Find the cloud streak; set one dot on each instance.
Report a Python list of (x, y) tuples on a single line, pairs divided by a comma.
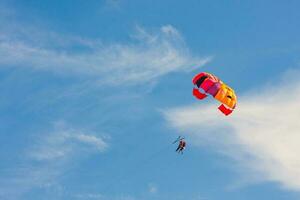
[(262, 135), (64, 143), (145, 57), (47, 158)]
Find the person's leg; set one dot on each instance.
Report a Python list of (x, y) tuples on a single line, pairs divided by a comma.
[(181, 150)]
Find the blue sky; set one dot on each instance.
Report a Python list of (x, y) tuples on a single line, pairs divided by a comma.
[(94, 92)]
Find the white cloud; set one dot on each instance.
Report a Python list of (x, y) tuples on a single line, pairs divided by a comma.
[(152, 188), (145, 57), (90, 196), (64, 143), (47, 158), (261, 135), (91, 140), (95, 196)]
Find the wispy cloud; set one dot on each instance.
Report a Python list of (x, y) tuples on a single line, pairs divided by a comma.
[(262, 135), (152, 188), (145, 57), (89, 196), (48, 157), (95, 196), (64, 143)]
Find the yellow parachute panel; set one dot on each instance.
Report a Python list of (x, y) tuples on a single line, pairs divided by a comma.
[(226, 96)]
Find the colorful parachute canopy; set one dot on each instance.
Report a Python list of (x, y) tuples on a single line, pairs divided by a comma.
[(212, 85)]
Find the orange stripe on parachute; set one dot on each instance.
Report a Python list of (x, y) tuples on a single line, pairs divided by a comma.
[(226, 96)]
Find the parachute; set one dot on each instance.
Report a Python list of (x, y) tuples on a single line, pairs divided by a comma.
[(212, 85)]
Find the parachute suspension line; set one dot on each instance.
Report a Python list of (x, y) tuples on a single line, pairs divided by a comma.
[(141, 163), (158, 152)]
